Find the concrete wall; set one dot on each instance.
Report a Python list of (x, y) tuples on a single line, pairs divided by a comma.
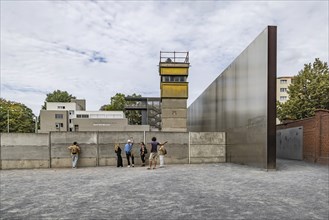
[(97, 148), (24, 150), (207, 147), (315, 136), (174, 115)]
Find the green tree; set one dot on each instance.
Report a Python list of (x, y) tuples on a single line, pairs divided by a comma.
[(58, 96), (309, 91), (118, 103), (134, 116), (16, 116)]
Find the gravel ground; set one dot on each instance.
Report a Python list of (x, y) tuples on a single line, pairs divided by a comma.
[(297, 190)]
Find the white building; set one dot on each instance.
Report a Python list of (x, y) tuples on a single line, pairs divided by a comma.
[(72, 116), (282, 84)]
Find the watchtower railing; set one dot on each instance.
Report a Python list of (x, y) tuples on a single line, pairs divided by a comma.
[(174, 57)]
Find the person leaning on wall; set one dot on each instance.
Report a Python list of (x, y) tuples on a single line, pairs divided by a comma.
[(75, 150)]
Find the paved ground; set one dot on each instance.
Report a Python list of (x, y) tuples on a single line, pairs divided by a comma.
[(297, 190)]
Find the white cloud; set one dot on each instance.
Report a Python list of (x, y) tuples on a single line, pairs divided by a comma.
[(95, 49)]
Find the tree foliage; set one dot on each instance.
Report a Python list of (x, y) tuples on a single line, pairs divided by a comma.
[(21, 118), (118, 103), (58, 96), (309, 91)]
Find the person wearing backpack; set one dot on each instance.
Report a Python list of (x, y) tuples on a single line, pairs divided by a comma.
[(143, 152), (75, 150), (162, 152)]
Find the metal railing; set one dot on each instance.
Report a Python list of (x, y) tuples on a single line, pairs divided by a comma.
[(174, 57)]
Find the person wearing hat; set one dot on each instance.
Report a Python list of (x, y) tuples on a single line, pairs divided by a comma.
[(75, 150), (128, 151)]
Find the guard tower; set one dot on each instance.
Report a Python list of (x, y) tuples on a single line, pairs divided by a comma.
[(173, 70)]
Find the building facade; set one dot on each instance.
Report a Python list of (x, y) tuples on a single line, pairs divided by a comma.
[(282, 84), (72, 116)]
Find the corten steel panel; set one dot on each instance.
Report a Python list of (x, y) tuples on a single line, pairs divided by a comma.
[(290, 143), (174, 71), (241, 102)]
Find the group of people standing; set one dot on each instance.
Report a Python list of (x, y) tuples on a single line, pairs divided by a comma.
[(154, 153), (143, 152)]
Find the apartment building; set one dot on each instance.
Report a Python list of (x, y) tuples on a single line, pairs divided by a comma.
[(282, 84), (72, 116)]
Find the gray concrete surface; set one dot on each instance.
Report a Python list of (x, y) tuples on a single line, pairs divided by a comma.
[(297, 190), (17, 150)]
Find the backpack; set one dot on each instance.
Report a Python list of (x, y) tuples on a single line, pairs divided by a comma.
[(74, 150), (145, 150), (165, 151)]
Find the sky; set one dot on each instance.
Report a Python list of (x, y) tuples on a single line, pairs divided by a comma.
[(95, 49)]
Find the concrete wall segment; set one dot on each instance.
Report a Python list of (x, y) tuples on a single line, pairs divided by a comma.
[(97, 149), (120, 137), (24, 152), (24, 164), (26, 139), (171, 137), (207, 138), (70, 137), (174, 103), (206, 151)]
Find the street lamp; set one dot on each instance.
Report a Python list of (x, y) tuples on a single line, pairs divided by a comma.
[(8, 120), (36, 124)]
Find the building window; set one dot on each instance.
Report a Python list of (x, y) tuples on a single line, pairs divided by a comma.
[(58, 116), (70, 121), (82, 116), (71, 112), (283, 89), (76, 127), (59, 125), (283, 81), (61, 107), (283, 98)]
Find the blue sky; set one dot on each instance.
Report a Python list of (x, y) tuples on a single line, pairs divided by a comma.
[(95, 49)]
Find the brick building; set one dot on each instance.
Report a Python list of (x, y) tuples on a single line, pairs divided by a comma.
[(315, 136)]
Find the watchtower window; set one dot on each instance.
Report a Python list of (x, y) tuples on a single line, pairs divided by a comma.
[(174, 78)]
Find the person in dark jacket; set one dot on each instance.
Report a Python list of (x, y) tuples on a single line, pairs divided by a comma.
[(117, 150), (143, 152)]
